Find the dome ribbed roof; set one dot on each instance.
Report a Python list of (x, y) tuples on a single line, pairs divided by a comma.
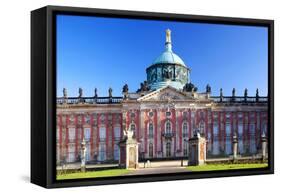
[(169, 57)]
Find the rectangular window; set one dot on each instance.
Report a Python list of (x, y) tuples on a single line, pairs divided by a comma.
[(253, 138), (71, 134), (71, 154), (116, 133), (216, 139), (88, 151), (116, 152), (102, 133), (87, 134), (240, 138), (102, 152), (228, 139)]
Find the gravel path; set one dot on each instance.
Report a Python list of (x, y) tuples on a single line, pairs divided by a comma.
[(158, 170)]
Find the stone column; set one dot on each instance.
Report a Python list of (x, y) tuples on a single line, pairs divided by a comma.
[(197, 150), (142, 130), (159, 133)]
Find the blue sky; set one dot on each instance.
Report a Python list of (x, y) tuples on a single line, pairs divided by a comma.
[(109, 52)]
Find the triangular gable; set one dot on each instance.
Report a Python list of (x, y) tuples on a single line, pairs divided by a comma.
[(165, 93)]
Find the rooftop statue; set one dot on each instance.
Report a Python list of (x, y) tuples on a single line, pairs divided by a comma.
[(64, 92), (96, 93), (189, 87), (125, 88), (168, 35), (110, 92), (233, 92), (221, 95), (143, 87), (246, 92), (208, 88), (80, 91)]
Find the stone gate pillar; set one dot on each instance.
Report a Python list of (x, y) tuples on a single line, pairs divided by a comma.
[(197, 150), (129, 149)]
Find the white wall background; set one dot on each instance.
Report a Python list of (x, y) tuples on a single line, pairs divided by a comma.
[(15, 94)]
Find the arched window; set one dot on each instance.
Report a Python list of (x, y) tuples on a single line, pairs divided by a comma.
[(150, 150), (168, 149), (185, 129), (150, 130), (168, 127)]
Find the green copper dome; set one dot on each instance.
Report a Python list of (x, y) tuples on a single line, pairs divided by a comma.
[(167, 69), (168, 56)]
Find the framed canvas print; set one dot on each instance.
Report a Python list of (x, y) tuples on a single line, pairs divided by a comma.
[(125, 96)]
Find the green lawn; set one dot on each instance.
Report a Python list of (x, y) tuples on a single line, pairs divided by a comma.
[(93, 174), (210, 167)]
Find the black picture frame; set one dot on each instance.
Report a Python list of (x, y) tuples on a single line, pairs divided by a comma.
[(43, 95)]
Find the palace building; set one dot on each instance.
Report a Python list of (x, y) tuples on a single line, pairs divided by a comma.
[(163, 113)]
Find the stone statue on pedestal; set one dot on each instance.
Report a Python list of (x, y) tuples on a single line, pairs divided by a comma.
[(128, 150)]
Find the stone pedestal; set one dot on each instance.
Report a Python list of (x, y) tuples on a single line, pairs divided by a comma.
[(129, 149), (197, 150)]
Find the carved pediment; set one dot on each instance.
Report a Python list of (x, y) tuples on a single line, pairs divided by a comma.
[(165, 94)]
